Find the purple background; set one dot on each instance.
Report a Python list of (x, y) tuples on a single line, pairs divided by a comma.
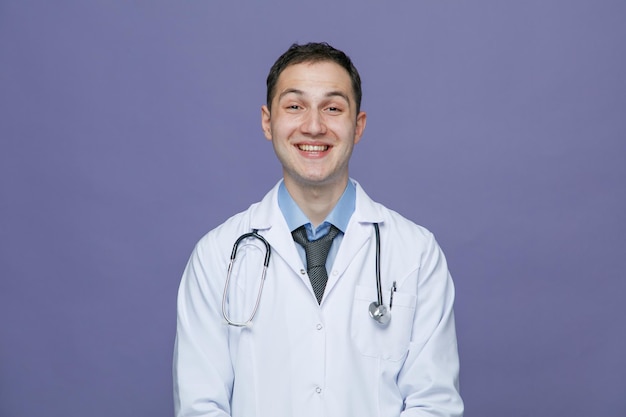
[(130, 128)]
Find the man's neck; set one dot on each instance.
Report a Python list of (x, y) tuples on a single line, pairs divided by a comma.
[(316, 202)]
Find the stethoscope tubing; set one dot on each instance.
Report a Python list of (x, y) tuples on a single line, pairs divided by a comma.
[(379, 288), (378, 311), (233, 255)]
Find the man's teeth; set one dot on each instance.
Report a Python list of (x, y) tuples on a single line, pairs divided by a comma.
[(313, 148)]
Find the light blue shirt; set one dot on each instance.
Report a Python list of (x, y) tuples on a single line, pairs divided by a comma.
[(339, 217)]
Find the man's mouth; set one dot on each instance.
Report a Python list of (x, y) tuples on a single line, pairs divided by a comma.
[(313, 148)]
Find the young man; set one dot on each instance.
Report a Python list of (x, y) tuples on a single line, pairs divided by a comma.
[(354, 312)]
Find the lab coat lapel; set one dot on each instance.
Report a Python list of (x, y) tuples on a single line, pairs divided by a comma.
[(269, 220), (359, 232)]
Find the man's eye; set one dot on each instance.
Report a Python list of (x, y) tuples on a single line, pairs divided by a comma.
[(293, 107), (334, 109)]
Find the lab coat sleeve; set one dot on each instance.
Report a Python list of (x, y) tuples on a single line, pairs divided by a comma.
[(202, 370), (429, 377)]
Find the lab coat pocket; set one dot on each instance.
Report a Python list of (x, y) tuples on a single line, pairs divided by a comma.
[(389, 342)]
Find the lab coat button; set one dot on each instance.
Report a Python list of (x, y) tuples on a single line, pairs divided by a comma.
[(335, 272), (302, 271), (319, 326), (318, 390)]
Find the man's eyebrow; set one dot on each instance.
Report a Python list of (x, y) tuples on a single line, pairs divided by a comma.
[(291, 91), (301, 93), (338, 94)]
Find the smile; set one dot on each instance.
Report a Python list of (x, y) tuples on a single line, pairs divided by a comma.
[(313, 148)]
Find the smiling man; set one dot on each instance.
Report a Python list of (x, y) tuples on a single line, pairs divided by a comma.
[(314, 125), (329, 304)]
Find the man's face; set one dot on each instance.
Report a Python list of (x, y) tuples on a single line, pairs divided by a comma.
[(313, 124)]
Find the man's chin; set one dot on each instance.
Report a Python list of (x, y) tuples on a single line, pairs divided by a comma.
[(317, 181)]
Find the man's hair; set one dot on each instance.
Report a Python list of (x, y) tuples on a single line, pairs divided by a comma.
[(311, 53)]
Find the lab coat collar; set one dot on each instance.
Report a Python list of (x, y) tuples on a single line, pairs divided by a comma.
[(267, 214)]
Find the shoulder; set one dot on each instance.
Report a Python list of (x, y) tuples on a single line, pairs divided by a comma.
[(405, 229), (254, 217), (415, 244), (233, 227), (391, 221)]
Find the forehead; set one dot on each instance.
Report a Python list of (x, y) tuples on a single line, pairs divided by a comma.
[(315, 77)]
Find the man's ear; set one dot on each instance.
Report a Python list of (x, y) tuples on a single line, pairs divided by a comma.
[(265, 122), (361, 120)]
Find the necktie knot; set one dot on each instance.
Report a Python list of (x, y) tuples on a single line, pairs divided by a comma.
[(316, 255)]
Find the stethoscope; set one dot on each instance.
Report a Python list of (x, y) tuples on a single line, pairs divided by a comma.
[(378, 311)]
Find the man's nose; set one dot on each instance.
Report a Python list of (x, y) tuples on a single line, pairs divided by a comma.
[(313, 124)]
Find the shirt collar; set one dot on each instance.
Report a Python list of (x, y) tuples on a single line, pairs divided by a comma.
[(339, 216)]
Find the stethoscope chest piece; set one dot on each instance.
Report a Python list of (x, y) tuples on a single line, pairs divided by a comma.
[(380, 313)]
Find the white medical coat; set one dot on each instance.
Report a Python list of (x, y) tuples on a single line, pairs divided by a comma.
[(301, 359)]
